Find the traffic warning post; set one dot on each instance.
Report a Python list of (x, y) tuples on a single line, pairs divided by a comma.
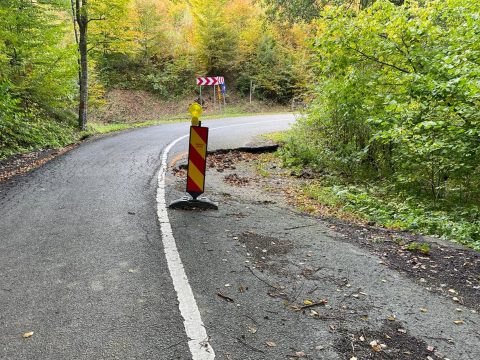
[(197, 166), (197, 160)]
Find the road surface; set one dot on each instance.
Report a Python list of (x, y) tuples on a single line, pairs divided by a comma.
[(93, 264), (81, 257)]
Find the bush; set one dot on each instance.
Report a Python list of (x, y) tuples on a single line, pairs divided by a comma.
[(22, 131), (397, 97)]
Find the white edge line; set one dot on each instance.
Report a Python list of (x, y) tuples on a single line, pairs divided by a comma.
[(198, 342)]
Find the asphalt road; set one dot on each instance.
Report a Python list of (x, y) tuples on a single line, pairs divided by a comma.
[(81, 257), (83, 265)]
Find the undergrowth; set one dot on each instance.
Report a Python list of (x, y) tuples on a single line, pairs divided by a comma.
[(381, 205)]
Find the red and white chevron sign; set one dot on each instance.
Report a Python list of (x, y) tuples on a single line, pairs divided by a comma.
[(210, 80)]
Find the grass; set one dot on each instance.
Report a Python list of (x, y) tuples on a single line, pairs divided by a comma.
[(422, 248), (279, 137), (378, 204)]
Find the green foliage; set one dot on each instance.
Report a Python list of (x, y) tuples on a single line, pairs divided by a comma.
[(37, 76), (22, 130), (396, 112), (164, 45), (397, 97), (376, 203), (216, 40), (293, 11), (423, 248)]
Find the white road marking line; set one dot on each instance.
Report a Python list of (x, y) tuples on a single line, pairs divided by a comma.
[(198, 343)]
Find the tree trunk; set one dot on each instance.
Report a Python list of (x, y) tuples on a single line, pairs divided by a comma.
[(82, 21), (83, 105)]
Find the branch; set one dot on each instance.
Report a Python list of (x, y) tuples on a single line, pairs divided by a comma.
[(97, 19), (74, 18), (406, 54), (379, 61)]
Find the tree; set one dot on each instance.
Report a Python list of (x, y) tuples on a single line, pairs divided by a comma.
[(397, 95), (216, 41), (80, 14), (37, 66)]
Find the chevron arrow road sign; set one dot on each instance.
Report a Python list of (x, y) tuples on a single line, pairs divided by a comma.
[(209, 80)]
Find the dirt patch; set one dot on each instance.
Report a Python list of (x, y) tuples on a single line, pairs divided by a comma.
[(226, 160), (236, 180), (390, 342), (23, 163), (137, 105), (261, 247), (263, 253)]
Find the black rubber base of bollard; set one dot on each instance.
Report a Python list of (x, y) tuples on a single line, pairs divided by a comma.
[(187, 203)]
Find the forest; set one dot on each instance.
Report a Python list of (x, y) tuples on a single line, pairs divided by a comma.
[(159, 46), (391, 88)]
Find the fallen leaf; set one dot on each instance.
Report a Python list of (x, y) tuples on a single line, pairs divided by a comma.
[(391, 318), (353, 358), (314, 313), (376, 346), (459, 322), (423, 310), (252, 329), (403, 331), (271, 344), (307, 302), (300, 354), (27, 335)]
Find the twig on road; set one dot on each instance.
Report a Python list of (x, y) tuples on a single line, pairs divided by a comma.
[(321, 302), (249, 346), (262, 280), (225, 297), (299, 227)]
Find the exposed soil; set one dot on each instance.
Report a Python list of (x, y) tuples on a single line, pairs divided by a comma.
[(391, 342), (137, 105), (23, 163), (448, 269)]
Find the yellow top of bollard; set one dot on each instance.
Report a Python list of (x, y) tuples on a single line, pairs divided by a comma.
[(195, 110)]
